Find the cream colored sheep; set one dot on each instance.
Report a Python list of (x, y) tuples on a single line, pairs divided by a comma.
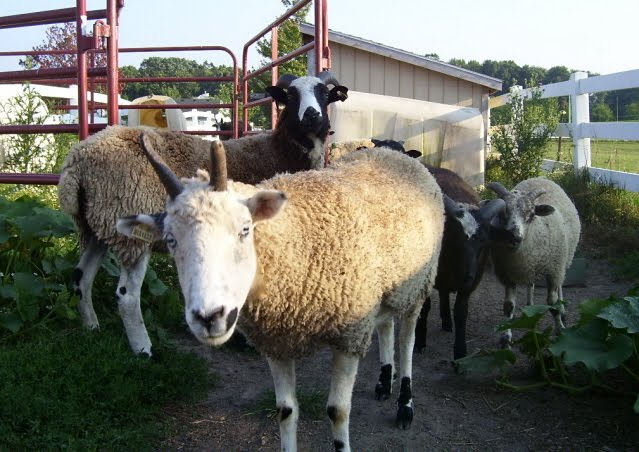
[(106, 177), (536, 238), (357, 244)]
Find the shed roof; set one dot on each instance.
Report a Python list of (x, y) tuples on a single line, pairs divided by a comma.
[(406, 57)]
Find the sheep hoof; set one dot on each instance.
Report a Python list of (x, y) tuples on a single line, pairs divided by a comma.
[(505, 341), (404, 417), (383, 388)]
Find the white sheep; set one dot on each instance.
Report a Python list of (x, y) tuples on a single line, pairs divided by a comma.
[(106, 177), (536, 238), (357, 244)]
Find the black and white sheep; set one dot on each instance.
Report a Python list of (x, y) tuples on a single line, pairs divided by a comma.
[(356, 245), (106, 177), (537, 236), (465, 251)]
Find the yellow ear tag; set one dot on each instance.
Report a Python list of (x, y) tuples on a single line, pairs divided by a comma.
[(144, 233)]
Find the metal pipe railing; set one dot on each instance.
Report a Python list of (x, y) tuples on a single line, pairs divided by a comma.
[(319, 44)]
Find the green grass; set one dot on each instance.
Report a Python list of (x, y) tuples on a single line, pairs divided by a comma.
[(615, 155), (83, 390)]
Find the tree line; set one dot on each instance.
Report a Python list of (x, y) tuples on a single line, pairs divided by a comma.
[(620, 105)]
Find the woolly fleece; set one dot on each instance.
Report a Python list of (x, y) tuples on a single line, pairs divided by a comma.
[(107, 177), (550, 242), (357, 240)]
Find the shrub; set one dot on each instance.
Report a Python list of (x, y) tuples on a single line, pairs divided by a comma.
[(520, 140)]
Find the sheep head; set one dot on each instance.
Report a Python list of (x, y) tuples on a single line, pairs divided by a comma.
[(208, 230), (305, 101), (510, 227)]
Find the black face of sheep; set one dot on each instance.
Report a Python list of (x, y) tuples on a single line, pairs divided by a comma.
[(396, 145), (306, 100)]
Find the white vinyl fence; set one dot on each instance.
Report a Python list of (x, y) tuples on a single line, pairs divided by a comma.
[(581, 130)]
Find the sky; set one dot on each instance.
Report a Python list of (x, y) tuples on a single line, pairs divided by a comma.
[(591, 35)]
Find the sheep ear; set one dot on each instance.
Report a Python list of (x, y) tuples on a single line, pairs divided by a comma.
[(337, 93), (266, 204), (543, 210), (278, 94), (147, 228), (414, 153)]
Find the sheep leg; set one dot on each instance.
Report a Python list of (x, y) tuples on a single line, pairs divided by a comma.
[(509, 309), (406, 343), (461, 316), (554, 294), (128, 293), (283, 372), (386, 338), (444, 310), (338, 408), (83, 277), (530, 295), (421, 330)]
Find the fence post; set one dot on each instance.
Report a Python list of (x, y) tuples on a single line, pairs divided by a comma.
[(580, 105)]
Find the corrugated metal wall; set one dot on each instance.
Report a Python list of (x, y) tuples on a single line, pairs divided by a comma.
[(370, 73)]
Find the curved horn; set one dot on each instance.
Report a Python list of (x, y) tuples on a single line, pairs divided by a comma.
[(450, 206), (499, 189), (327, 77), (285, 80), (536, 193), (170, 181), (218, 166), (491, 208)]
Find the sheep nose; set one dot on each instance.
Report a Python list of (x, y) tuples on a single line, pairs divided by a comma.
[(311, 117), (209, 318)]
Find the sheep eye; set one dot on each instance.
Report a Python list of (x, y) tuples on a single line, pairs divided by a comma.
[(170, 241), (246, 230)]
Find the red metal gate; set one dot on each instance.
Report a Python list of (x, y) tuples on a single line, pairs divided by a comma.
[(105, 39)]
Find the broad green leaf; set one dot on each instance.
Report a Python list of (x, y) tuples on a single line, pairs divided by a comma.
[(591, 345), (533, 340), (4, 232), (623, 314), (8, 291), (110, 266), (155, 284), (29, 289), (28, 283), (530, 317), (485, 362), (590, 309), (11, 321), (47, 266)]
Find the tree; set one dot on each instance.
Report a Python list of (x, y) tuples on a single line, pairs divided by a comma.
[(59, 37), (289, 39), (601, 113), (522, 141)]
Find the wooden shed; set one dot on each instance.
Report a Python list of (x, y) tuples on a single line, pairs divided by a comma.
[(375, 70)]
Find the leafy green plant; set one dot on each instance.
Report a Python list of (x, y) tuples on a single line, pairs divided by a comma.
[(34, 268), (522, 133), (605, 338)]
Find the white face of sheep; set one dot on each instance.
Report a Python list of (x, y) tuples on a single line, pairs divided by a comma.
[(209, 232), (519, 214), (210, 235)]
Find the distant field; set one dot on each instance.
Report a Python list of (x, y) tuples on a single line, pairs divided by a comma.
[(609, 154)]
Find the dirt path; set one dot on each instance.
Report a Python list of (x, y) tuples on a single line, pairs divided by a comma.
[(452, 412)]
